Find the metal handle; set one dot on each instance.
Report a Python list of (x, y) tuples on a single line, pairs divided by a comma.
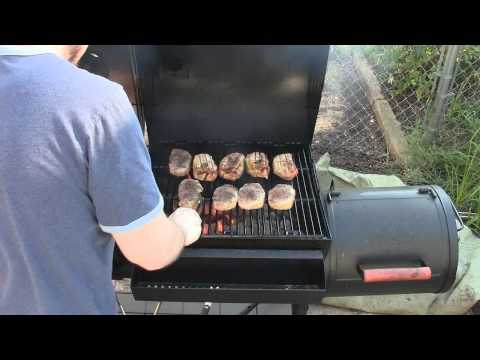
[(460, 224), (397, 274)]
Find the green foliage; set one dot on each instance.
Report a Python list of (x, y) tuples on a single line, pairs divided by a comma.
[(410, 68), (454, 165)]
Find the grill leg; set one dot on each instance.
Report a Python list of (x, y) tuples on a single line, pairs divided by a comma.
[(248, 309), (299, 309), (157, 308), (120, 305), (206, 308)]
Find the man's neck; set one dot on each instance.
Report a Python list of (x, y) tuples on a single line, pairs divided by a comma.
[(60, 50)]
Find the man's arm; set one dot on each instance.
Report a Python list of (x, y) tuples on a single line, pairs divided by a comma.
[(154, 245), (124, 193), (159, 243)]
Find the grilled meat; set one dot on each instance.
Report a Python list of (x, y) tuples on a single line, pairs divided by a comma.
[(251, 196), (257, 165), (190, 193), (225, 198), (180, 162), (232, 166), (281, 197), (204, 168), (284, 167)]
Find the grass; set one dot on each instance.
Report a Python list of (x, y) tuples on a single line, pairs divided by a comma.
[(454, 162)]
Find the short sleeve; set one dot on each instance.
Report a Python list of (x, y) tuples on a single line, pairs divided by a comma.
[(120, 179)]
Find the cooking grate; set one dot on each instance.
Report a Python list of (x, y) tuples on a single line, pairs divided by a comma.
[(262, 228)]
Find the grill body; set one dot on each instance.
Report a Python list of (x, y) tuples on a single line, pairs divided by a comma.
[(223, 99)]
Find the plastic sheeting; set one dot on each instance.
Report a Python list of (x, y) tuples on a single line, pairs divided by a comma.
[(462, 296)]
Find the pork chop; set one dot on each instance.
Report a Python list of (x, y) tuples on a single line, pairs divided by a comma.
[(225, 198), (251, 196), (257, 165), (190, 193), (284, 167), (204, 168), (232, 166), (179, 162), (281, 197)]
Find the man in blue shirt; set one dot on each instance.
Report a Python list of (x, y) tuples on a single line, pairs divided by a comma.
[(75, 176)]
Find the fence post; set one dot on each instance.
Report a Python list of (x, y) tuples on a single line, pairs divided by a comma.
[(446, 77)]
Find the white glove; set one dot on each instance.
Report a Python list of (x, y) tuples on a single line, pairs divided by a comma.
[(190, 222)]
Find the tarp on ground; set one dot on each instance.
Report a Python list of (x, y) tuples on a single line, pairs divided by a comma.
[(462, 296)]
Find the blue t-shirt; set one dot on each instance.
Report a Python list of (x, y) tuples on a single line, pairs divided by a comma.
[(74, 168)]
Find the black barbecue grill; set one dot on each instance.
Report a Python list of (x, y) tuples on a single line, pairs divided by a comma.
[(223, 99)]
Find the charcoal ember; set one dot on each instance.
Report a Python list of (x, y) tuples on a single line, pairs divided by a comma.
[(281, 197), (251, 196), (284, 167), (225, 198), (180, 162), (232, 166), (190, 193), (204, 168), (258, 165)]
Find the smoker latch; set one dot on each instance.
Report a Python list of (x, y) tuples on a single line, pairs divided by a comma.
[(332, 193), (427, 191)]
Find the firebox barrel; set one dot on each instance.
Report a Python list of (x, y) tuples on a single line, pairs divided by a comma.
[(391, 241)]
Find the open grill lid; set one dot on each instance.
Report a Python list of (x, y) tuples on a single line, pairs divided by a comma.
[(231, 93)]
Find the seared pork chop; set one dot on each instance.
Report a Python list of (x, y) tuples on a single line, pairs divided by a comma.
[(281, 197), (251, 196), (204, 168), (190, 193), (232, 166), (179, 162), (225, 198), (284, 167), (257, 165)]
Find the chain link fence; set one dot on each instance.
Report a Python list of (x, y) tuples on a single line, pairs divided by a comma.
[(409, 75)]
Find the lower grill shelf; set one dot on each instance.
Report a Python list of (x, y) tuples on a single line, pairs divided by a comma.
[(225, 275), (229, 295)]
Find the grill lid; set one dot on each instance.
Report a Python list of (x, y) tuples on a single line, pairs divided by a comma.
[(231, 93)]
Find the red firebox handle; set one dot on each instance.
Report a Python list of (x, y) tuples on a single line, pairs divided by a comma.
[(397, 274)]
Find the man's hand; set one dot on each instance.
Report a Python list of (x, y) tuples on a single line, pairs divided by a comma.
[(190, 222)]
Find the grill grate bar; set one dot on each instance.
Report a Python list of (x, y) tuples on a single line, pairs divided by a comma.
[(302, 207), (258, 221), (264, 221), (244, 223), (317, 215), (291, 221), (237, 217), (306, 193), (270, 220), (251, 220)]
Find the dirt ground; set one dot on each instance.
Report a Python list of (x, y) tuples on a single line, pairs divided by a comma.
[(346, 127)]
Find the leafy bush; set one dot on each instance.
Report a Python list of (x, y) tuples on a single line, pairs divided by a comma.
[(412, 68), (453, 165)]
